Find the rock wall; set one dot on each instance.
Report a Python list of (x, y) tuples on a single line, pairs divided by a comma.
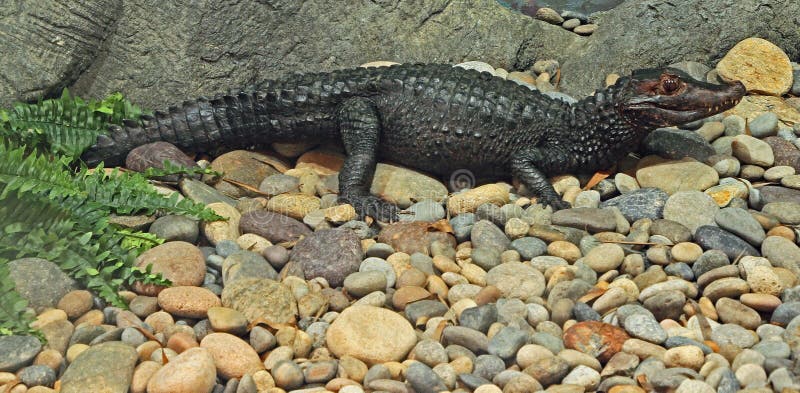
[(161, 52)]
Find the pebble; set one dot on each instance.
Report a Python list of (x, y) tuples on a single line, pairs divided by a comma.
[(604, 257), (260, 300), (750, 150), (516, 280), (37, 375), (274, 227), (187, 302), (590, 219), (352, 333), (786, 212), (645, 327), (587, 29), (672, 176), (287, 375), (691, 209), (175, 228), (17, 352), (676, 143), (228, 229), (549, 15), (597, 339), (764, 125), (109, 366), (583, 376), (760, 65), (469, 200), (232, 356), (741, 223), (732, 311), (191, 371), (713, 237), (329, 253), (528, 247)]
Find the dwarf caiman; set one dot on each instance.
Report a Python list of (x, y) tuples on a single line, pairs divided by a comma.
[(433, 117)]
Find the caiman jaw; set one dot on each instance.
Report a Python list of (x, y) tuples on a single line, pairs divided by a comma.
[(668, 97)]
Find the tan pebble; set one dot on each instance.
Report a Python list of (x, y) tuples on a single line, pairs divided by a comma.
[(627, 285), (180, 262), (445, 264), (92, 317), (707, 308), (604, 257), (40, 389), (488, 389), (191, 371), (564, 249), (216, 231), (575, 358), (412, 277), (782, 231), (462, 365), (643, 349), (227, 320), (761, 301), (408, 294), (146, 349), (763, 279), (353, 333), (726, 287), (296, 205), (277, 355), (626, 389), (263, 380), (48, 316), (340, 214), (686, 252), (76, 303), (353, 368), (688, 356), (50, 358), (366, 244), (396, 369), (468, 201), (160, 321), (181, 341), (461, 305), (487, 294), (474, 274), (762, 66), (188, 302), (788, 278), (437, 287), (611, 79), (74, 350), (530, 353), (253, 242), (338, 383), (232, 356), (400, 262), (142, 374)]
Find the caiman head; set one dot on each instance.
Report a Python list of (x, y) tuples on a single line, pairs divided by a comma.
[(662, 97)]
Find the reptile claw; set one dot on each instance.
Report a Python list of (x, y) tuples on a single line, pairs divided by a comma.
[(372, 206)]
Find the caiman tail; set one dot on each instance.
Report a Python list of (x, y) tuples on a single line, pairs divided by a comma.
[(226, 120)]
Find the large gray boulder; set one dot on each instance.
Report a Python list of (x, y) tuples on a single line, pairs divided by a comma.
[(46, 45), (159, 53), (162, 53)]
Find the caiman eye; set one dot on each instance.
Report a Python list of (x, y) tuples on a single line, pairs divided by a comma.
[(670, 85)]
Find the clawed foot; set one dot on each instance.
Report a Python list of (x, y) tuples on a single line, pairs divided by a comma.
[(369, 205), (555, 202)]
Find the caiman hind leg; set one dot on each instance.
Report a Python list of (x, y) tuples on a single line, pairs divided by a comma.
[(525, 166), (360, 129)]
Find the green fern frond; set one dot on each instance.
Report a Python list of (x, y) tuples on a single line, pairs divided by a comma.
[(66, 125)]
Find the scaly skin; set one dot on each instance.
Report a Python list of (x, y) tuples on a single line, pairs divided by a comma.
[(433, 117)]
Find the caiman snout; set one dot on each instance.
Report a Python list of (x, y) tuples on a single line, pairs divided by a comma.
[(668, 97)]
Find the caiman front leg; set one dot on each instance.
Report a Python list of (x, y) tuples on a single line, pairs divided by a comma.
[(360, 130), (525, 166)]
